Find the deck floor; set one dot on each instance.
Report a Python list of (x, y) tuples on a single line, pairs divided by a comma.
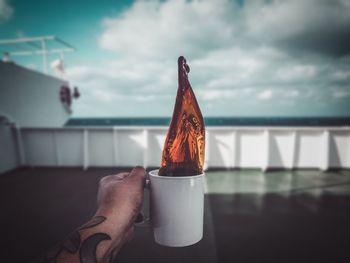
[(281, 216)]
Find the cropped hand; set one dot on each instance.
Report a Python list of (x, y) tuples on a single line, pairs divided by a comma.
[(119, 201), (120, 196)]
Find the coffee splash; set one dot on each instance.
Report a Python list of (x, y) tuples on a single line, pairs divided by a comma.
[(183, 152)]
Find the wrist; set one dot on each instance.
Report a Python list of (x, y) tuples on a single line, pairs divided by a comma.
[(113, 227), (121, 210), (117, 221)]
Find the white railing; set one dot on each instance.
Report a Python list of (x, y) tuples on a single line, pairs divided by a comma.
[(226, 147)]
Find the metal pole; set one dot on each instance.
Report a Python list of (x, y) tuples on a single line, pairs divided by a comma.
[(40, 52), (63, 72), (26, 39), (44, 49)]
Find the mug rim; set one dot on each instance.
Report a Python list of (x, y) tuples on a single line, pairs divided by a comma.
[(154, 173)]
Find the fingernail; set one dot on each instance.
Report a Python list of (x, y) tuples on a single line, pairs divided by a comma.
[(121, 176), (138, 170)]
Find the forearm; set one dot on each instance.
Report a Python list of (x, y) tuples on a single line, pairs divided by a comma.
[(98, 240), (119, 201)]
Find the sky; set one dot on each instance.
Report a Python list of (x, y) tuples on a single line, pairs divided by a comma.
[(247, 57)]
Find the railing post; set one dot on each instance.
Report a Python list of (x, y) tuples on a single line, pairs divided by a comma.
[(86, 149), (207, 150), (115, 146), (293, 162), (266, 157), (324, 164), (57, 154), (238, 155), (145, 150), (21, 153), (235, 150)]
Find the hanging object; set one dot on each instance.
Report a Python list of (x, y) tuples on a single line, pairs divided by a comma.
[(183, 152), (76, 93), (65, 95)]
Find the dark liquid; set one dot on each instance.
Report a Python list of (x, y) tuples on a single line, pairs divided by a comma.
[(183, 152)]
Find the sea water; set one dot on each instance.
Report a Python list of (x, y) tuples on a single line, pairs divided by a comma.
[(214, 121)]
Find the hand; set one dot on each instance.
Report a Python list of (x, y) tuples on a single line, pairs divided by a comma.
[(119, 201), (120, 197)]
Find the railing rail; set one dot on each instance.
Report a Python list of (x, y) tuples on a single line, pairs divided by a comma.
[(226, 147)]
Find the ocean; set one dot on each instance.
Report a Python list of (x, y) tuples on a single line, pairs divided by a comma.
[(215, 121)]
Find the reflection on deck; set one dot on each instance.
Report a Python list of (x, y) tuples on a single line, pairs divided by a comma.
[(250, 216)]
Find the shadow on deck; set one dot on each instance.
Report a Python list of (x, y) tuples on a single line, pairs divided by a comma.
[(299, 216)]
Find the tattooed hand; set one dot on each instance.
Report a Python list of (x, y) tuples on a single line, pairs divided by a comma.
[(118, 203), (121, 196)]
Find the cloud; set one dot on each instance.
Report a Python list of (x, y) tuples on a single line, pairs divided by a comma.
[(6, 10), (341, 93), (265, 95), (296, 72), (291, 51), (208, 95), (157, 29), (292, 94), (311, 25)]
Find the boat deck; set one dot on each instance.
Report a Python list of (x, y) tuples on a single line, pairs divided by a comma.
[(250, 216)]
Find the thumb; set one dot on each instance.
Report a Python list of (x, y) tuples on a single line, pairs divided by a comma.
[(138, 173)]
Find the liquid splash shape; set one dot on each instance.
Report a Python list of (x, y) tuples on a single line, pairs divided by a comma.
[(183, 152)]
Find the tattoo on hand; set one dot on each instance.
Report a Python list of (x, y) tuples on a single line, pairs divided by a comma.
[(93, 222), (88, 248), (73, 243), (113, 254)]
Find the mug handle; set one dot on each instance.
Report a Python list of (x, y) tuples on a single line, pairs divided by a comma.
[(142, 220)]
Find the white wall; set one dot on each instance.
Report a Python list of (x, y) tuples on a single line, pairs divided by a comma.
[(227, 147), (30, 98)]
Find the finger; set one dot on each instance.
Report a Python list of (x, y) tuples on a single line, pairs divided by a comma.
[(121, 176), (139, 172), (112, 178)]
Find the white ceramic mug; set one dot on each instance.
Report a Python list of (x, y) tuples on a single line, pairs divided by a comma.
[(177, 205)]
